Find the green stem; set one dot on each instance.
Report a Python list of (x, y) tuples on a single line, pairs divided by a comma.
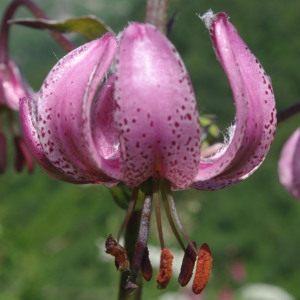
[(35, 10), (157, 14), (130, 210), (131, 236)]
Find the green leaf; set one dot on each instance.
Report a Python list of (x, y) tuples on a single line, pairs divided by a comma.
[(122, 196), (210, 131), (89, 26)]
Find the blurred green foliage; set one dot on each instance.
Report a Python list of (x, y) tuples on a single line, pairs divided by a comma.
[(50, 231)]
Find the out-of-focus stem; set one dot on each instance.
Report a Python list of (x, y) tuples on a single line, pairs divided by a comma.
[(35, 10), (157, 13), (288, 112)]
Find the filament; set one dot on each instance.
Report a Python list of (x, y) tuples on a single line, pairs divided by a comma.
[(157, 213), (168, 213), (173, 215)]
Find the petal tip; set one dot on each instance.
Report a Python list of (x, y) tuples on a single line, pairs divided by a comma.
[(209, 17)]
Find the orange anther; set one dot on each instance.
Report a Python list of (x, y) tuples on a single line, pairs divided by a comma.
[(203, 268), (187, 265), (115, 249), (165, 269)]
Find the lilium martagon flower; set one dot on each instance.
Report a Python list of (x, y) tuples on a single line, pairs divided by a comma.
[(289, 165), (142, 129)]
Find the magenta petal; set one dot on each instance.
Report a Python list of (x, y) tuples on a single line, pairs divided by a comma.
[(255, 121), (30, 135), (63, 113), (105, 135), (156, 112), (289, 165)]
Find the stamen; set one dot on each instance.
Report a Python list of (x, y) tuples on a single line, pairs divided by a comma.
[(141, 243), (131, 206), (146, 266), (115, 249), (171, 209), (157, 212), (187, 265), (203, 268), (169, 216), (165, 269)]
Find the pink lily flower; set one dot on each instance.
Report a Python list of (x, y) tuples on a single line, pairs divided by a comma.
[(289, 165), (144, 121), (143, 124)]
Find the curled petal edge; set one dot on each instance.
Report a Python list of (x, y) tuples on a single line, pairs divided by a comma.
[(58, 130), (33, 143)]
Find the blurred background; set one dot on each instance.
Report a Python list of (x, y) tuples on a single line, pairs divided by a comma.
[(52, 233)]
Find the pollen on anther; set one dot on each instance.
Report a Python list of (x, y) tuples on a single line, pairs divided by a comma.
[(203, 268), (165, 269)]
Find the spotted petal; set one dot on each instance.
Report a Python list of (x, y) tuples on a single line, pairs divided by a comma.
[(61, 116), (30, 135), (156, 112), (255, 121), (289, 165)]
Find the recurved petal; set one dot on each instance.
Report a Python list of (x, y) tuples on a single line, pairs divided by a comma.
[(289, 165), (30, 135), (255, 121), (104, 131), (63, 112), (156, 113)]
